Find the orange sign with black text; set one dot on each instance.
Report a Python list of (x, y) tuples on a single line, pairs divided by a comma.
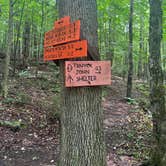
[(87, 73), (63, 34), (64, 42), (69, 50), (62, 22)]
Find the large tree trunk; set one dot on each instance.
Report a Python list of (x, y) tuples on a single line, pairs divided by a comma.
[(82, 116), (157, 91), (130, 59)]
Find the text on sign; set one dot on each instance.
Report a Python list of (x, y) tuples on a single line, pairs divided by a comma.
[(87, 73), (69, 50), (64, 34)]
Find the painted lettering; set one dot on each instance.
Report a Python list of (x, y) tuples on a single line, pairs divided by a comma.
[(82, 72)]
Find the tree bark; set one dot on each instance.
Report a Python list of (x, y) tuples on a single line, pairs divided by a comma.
[(26, 44), (157, 90), (111, 41), (82, 141), (41, 37), (140, 49), (17, 39), (130, 56), (9, 51)]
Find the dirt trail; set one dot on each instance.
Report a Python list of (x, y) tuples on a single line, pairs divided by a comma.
[(117, 123), (38, 145), (117, 116)]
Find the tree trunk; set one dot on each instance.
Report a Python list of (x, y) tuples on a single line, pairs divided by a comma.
[(82, 117), (17, 39), (111, 42), (41, 38), (9, 50), (130, 57), (26, 44), (164, 58), (157, 91), (140, 48), (100, 39)]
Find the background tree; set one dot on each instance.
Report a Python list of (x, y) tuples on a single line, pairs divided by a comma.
[(18, 31), (140, 68), (82, 116), (157, 91), (130, 57), (26, 44), (9, 49)]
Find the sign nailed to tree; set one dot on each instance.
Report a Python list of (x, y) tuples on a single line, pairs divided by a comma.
[(64, 42), (63, 34), (87, 73), (69, 50), (62, 22)]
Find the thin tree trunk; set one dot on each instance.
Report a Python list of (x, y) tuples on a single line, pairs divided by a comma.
[(9, 50), (111, 41), (41, 38), (146, 67), (125, 59), (26, 44), (140, 49), (82, 116), (17, 39), (157, 90), (163, 53), (100, 39), (130, 57)]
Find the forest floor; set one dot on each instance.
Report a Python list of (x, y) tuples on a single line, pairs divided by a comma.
[(29, 136), (128, 124)]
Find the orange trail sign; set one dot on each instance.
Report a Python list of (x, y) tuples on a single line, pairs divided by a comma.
[(69, 50), (64, 34), (62, 22), (87, 73)]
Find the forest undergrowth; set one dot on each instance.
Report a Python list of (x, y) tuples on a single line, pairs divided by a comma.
[(30, 121)]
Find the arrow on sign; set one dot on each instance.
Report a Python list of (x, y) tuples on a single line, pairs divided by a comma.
[(59, 35), (60, 22), (69, 50), (87, 73), (69, 79), (78, 49)]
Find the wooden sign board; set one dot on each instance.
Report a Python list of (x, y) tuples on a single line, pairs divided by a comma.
[(69, 50), (64, 34), (62, 22), (87, 73)]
